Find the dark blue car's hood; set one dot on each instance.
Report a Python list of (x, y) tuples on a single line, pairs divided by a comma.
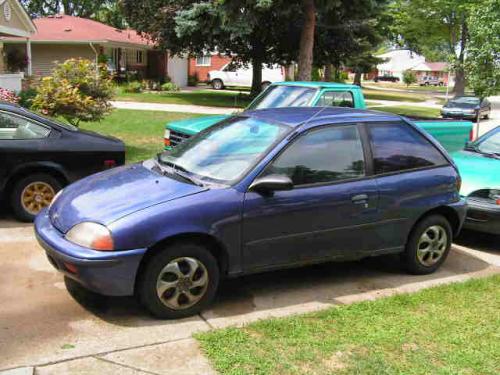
[(108, 196)]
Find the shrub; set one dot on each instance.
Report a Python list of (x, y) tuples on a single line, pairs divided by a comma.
[(193, 79), (409, 77), (133, 87), (26, 97), (8, 96), (169, 86), (16, 60), (77, 90), (149, 84)]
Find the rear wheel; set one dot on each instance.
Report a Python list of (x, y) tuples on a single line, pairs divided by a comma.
[(217, 84), (428, 245), (33, 193), (179, 281)]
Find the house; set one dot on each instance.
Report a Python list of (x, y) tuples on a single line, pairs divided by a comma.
[(14, 22), (201, 65), (397, 61), (61, 37), (432, 69)]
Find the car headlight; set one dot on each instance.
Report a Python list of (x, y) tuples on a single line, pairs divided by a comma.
[(91, 235), (495, 195), (55, 198), (468, 111)]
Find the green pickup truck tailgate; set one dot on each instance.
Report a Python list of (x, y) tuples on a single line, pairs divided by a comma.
[(453, 135)]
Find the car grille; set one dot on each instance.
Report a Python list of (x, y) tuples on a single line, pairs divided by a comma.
[(177, 137)]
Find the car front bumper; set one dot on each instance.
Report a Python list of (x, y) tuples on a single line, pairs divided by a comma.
[(459, 115), (111, 273), (483, 217)]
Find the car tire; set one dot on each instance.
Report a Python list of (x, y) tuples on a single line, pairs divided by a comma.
[(32, 193), (428, 245), (217, 84), (173, 274)]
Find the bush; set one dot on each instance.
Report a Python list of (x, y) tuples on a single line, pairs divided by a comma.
[(78, 90), (26, 97), (8, 96), (133, 87), (169, 86), (409, 77), (193, 79), (149, 84)]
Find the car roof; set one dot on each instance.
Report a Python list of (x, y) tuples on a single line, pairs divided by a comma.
[(317, 84), (296, 116)]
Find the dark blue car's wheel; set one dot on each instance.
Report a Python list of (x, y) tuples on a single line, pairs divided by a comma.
[(428, 245), (179, 281)]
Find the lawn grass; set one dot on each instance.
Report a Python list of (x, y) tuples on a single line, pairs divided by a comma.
[(452, 329), (208, 98), (393, 95), (142, 131), (409, 111)]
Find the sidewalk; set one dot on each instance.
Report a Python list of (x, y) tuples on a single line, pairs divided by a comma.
[(185, 108)]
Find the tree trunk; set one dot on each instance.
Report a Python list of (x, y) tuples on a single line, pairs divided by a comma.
[(357, 77), (256, 77), (307, 40), (328, 73), (460, 80)]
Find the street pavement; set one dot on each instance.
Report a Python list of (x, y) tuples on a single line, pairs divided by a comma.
[(58, 327)]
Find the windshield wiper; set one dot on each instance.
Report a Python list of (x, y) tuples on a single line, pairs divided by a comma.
[(179, 171)]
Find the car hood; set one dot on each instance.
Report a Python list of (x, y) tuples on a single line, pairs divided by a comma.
[(108, 196), (195, 125), (477, 171)]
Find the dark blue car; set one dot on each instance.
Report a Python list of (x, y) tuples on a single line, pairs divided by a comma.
[(263, 190)]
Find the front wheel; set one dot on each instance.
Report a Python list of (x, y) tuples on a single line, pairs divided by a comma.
[(217, 84), (428, 245), (179, 281)]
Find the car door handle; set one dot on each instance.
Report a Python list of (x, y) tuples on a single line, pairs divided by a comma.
[(359, 199)]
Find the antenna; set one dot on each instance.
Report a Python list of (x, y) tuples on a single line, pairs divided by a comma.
[(314, 116)]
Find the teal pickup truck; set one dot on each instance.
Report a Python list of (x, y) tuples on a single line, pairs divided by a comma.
[(452, 134)]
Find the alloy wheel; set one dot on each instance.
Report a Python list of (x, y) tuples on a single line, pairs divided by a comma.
[(432, 245), (35, 196), (182, 283)]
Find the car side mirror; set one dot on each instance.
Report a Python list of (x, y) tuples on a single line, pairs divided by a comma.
[(270, 183)]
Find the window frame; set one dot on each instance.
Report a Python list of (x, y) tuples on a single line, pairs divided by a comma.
[(412, 129), (139, 57), (323, 92), (204, 56), (364, 146), (49, 128)]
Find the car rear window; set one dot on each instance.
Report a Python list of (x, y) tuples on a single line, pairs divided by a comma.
[(397, 147)]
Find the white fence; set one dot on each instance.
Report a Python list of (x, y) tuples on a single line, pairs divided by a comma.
[(11, 81)]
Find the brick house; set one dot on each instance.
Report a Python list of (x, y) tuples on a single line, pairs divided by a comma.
[(200, 66), (432, 69)]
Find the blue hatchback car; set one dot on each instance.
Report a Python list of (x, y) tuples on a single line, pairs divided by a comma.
[(262, 190)]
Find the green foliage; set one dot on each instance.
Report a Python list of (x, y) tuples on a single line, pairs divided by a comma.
[(409, 77), (77, 90), (26, 97), (193, 79), (483, 58), (16, 60), (132, 87), (169, 86)]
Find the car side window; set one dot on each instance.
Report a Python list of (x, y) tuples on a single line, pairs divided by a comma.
[(320, 156), (18, 127), (398, 147), (336, 99)]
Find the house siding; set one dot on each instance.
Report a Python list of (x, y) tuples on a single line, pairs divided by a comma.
[(46, 56), (216, 63)]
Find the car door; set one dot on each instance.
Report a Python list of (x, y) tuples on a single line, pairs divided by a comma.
[(20, 139), (485, 107), (330, 211), (244, 76)]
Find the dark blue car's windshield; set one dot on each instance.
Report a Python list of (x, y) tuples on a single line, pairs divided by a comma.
[(224, 153), (284, 96)]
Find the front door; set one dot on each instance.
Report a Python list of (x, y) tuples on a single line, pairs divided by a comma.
[(329, 213)]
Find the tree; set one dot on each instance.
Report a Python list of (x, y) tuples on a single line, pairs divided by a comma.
[(76, 91), (307, 40), (409, 77), (437, 29), (252, 31), (483, 56)]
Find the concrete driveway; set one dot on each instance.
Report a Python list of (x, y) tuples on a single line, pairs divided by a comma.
[(44, 320)]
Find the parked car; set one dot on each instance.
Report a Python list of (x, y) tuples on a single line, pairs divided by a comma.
[(466, 107), (231, 75), (451, 134), (428, 81), (386, 78), (479, 165), (39, 156), (265, 190)]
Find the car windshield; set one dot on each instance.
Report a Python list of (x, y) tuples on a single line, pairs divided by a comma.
[(224, 153), (464, 102), (490, 144), (284, 96)]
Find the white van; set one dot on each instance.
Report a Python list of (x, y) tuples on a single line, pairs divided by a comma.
[(242, 77)]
